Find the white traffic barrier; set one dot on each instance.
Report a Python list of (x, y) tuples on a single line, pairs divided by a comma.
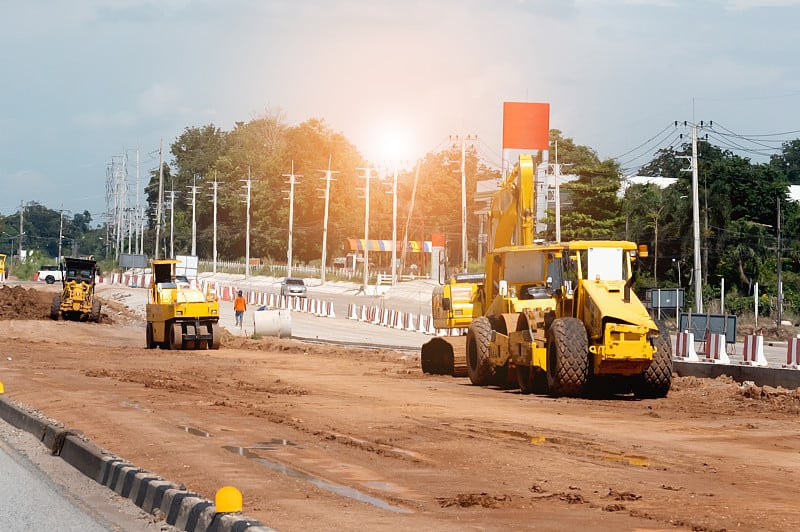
[(753, 350), (275, 322), (431, 329), (793, 353), (421, 324), (351, 311), (715, 349), (684, 347), (329, 310), (363, 315)]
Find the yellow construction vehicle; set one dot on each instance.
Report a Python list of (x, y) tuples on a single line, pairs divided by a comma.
[(2, 268), (560, 318), (179, 317), (77, 300), (453, 306)]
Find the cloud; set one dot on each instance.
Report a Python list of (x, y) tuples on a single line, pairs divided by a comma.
[(159, 98), (102, 120)]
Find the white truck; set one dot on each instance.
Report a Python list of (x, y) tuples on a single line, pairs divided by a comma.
[(49, 274)]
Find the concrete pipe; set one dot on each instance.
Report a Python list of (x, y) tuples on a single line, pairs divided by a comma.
[(273, 322)]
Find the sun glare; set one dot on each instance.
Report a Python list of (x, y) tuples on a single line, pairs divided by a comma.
[(393, 143)]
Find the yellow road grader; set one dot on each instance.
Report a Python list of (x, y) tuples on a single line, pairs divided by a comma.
[(77, 301), (558, 317), (179, 317)]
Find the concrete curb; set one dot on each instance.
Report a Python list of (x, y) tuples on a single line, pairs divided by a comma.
[(181, 508), (787, 378)]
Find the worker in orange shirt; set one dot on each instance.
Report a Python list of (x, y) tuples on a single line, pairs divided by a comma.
[(239, 306)]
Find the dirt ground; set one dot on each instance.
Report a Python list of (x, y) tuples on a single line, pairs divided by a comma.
[(320, 437)]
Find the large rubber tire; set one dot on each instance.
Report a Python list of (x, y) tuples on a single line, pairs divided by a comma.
[(151, 344), (216, 336), (479, 368), (175, 336), (96, 307), (55, 308), (654, 383), (567, 358), (190, 330)]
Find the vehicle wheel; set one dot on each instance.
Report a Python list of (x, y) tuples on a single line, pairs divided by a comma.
[(655, 381), (190, 344), (216, 337), (479, 368), (176, 337), (149, 335), (50, 279), (55, 308), (567, 358), (95, 315)]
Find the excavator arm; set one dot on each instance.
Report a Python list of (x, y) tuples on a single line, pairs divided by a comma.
[(512, 216)]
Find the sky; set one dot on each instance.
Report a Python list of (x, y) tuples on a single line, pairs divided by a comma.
[(85, 81)]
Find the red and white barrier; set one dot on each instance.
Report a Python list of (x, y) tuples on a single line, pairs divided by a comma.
[(753, 350), (715, 349), (793, 353), (684, 347)]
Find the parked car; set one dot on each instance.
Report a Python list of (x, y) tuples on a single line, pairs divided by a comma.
[(293, 286), (49, 274)]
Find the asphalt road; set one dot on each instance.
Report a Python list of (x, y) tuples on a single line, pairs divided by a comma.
[(41, 492)]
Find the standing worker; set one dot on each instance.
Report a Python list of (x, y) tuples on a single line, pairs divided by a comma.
[(239, 306)]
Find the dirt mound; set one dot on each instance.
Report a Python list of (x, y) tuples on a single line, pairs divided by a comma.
[(18, 303)]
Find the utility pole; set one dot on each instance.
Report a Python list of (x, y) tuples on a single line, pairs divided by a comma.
[(697, 273), (248, 185), (778, 270), (141, 232), (367, 177), (60, 232), (21, 214), (171, 224), (463, 139), (328, 173), (138, 250), (193, 188), (557, 195), (215, 187), (394, 226), (129, 212), (408, 219), (160, 195), (292, 180), (698, 278)]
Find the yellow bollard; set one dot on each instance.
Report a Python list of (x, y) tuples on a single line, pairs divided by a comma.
[(228, 500)]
